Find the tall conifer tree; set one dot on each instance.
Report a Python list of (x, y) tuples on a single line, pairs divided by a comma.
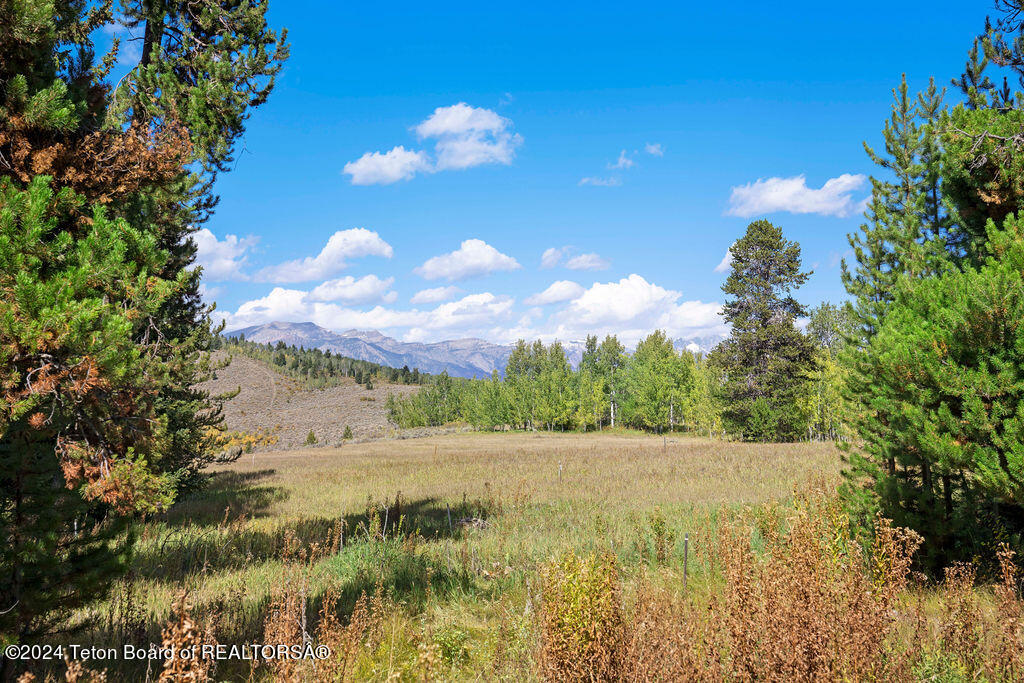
[(908, 226), (766, 357), (104, 333)]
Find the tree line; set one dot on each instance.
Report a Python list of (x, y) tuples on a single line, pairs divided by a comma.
[(318, 369), (655, 388)]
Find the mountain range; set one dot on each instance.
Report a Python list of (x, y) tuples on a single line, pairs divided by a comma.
[(459, 357)]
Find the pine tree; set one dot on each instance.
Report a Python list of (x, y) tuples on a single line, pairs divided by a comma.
[(186, 104), (974, 82), (204, 66), (944, 437), (56, 555), (908, 227), (104, 333), (79, 414), (766, 358), (983, 147), (909, 233)]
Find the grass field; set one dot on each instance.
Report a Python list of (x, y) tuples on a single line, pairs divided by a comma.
[(516, 501), (479, 556)]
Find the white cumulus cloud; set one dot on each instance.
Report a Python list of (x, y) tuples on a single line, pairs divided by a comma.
[(434, 295), (348, 289), (469, 311), (587, 262), (726, 262), (469, 136), (463, 136), (342, 245), (557, 292), (375, 168), (222, 259), (654, 149), (792, 195), (475, 314), (623, 161), (551, 256), (209, 294), (632, 308), (600, 182), (474, 257), (294, 305), (554, 255), (620, 301)]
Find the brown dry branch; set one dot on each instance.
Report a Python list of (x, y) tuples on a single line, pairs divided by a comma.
[(344, 641), (105, 166), (1006, 660), (184, 633)]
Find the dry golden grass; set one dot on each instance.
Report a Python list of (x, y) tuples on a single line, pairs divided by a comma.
[(524, 557), (621, 470)]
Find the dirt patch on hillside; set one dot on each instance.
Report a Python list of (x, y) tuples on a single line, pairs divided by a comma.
[(273, 402)]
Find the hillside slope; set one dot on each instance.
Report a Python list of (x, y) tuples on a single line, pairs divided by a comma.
[(270, 401)]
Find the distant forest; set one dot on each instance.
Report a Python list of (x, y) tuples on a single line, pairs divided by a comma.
[(655, 388), (317, 369)]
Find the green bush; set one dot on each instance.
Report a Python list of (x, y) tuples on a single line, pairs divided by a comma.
[(944, 433)]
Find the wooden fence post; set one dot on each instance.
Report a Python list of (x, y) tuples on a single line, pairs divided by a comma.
[(686, 558)]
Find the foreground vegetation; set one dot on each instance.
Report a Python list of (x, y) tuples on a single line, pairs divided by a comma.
[(531, 556)]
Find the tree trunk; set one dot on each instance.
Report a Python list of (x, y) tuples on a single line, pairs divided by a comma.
[(151, 40)]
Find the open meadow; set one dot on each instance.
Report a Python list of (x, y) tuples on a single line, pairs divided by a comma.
[(453, 530), (528, 556)]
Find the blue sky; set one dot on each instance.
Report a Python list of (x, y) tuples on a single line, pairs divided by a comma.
[(410, 148)]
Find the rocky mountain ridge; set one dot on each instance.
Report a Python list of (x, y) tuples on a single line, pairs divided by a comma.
[(459, 357)]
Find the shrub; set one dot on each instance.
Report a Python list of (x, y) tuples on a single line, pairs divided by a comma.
[(664, 538), (347, 434), (310, 438), (184, 633), (581, 619), (812, 606), (942, 386), (451, 642)]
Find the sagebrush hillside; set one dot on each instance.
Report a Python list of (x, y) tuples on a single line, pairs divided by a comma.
[(268, 401)]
